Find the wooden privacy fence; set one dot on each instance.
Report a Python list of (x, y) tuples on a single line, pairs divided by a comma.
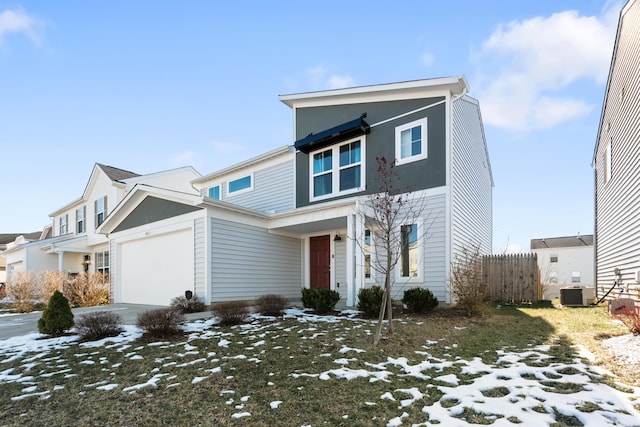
[(512, 278)]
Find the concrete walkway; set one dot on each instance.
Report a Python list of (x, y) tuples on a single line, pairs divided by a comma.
[(12, 325)]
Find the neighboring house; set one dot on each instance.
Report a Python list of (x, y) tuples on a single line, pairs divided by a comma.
[(71, 242), (564, 262), (292, 218), (6, 240), (616, 162)]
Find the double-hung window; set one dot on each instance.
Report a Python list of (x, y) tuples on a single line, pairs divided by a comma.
[(409, 251), (80, 221), (337, 170), (367, 254), (100, 209), (102, 265), (64, 224), (411, 141)]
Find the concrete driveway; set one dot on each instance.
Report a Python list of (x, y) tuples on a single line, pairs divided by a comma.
[(12, 325)]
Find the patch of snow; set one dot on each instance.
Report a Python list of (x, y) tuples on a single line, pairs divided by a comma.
[(275, 404)]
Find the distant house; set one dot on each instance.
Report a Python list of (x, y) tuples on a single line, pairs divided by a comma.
[(9, 239), (290, 218), (616, 163), (564, 262), (71, 242)]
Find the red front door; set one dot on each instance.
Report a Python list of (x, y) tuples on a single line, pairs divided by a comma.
[(320, 262)]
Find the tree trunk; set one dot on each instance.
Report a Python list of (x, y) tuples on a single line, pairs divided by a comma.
[(378, 332)]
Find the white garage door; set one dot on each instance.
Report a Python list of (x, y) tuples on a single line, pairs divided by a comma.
[(156, 269)]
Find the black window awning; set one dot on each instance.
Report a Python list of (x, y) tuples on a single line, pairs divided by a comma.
[(348, 130)]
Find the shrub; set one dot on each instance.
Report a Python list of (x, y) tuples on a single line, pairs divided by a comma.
[(631, 320), (321, 301), (98, 325), (419, 300), (184, 305), (467, 287), (87, 290), (271, 305), (48, 282), (57, 317), (370, 301), (160, 322), (231, 312), (22, 290)]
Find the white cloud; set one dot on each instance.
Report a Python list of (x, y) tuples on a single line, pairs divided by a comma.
[(17, 21), (320, 77), (427, 59), (525, 68)]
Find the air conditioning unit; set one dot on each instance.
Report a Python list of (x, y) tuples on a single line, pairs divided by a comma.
[(577, 296)]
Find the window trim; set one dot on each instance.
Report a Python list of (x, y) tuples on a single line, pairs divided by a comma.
[(336, 168), (219, 187), (242, 190), (96, 213), (424, 142), (63, 224), (82, 221), (420, 266)]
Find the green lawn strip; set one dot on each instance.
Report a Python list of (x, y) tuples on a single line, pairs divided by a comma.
[(232, 371)]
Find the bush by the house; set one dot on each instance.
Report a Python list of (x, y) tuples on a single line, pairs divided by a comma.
[(160, 322), (98, 325), (419, 300), (188, 305), (48, 282), (631, 320), (321, 301), (87, 290), (57, 317), (23, 291), (271, 305), (467, 287), (230, 312), (370, 300)]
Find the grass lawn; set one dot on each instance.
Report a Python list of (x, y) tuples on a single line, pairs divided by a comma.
[(517, 366)]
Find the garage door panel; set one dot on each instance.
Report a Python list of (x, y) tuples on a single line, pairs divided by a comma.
[(156, 269)]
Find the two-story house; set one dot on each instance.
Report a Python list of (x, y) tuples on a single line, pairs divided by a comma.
[(70, 243), (294, 217), (616, 163)]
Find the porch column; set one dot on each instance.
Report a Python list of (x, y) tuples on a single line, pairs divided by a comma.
[(60, 260), (355, 234)]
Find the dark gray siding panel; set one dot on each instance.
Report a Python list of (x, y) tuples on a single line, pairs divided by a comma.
[(427, 173), (153, 209), (248, 261)]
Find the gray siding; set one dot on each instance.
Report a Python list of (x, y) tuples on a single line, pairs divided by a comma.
[(247, 262), (341, 267), (617, 229), (426, 173), (199, 257), (471, 184), (273, 189)]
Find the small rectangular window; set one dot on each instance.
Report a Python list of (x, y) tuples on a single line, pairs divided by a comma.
[(241, 184), (411, 141), (553, 277), (214, 192), (322, 175), (80, 221), (575, 277), (100, 209), (63, 224), (553, 257), (409, 250)]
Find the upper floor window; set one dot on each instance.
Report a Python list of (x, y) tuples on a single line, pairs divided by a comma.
[(553, 257), (80, 220), (411, 141), (336, 170), (100, 209), (64, 229), (214, 192), (240, 185), (409, 251)]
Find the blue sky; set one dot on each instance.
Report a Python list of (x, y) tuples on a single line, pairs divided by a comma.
[(150, 86)]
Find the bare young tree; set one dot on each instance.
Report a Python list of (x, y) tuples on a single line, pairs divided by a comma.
[(391, 217)]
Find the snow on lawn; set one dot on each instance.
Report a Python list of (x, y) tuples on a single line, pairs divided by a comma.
[(521, 387)]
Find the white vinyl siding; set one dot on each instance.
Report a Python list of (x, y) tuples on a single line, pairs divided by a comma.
[(471, 183), (617, 231), (273, 189), (248, 261), (340, 267), (199, 258)]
